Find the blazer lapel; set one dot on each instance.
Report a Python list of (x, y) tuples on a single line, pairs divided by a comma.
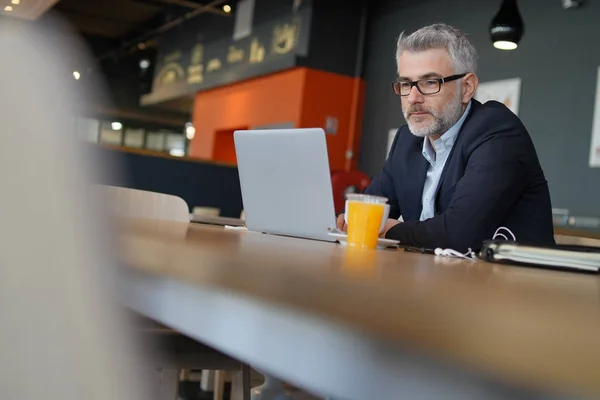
[(444, 186)]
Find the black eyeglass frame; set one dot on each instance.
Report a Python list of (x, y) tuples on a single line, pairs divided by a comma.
[(440, 81)]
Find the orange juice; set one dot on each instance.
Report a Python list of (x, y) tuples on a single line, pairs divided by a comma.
[(364, 222)]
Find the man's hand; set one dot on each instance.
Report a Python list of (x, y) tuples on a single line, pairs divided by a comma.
[(341, 224), (388, 224)]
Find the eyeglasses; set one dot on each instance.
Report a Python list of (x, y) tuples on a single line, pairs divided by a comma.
[(424, 86)]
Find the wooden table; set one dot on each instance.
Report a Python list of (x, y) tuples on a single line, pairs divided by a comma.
[(368, 324)]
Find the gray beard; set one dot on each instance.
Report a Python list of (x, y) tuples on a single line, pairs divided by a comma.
[(441, 121)]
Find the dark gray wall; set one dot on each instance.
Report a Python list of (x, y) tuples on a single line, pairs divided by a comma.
[(557, 60), (335, 31)]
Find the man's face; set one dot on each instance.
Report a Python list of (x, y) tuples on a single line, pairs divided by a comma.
[(433, 114)]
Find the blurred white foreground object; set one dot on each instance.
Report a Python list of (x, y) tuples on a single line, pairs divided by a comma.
[(62, 335)]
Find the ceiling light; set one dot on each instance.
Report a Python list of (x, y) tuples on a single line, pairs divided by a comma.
[(8, 9), (76, 75), (16, 2), (507, 26), (227, 8), (116, 126), (144, 63), (190, 131), (505, 45)]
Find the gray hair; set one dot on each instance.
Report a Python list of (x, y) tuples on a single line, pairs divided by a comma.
[(461, 50)]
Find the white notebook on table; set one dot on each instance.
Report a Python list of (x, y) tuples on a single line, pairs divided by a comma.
[(569, 257)]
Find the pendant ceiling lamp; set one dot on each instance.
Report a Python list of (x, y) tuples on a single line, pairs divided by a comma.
[(507, 26)]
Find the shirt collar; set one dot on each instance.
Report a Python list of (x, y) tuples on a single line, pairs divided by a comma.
[(446, 141)]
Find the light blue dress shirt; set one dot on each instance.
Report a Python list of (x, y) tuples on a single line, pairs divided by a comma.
[(437, 159)]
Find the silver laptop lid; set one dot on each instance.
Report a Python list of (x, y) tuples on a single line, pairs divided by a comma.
[(286, 182)]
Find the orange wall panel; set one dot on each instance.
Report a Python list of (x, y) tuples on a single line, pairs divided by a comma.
[(271, 99), (301, 96), (331, 95), (224, 146)]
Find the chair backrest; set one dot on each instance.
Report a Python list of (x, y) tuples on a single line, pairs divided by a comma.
[(134, 203)]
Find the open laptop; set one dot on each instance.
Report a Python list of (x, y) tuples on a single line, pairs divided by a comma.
[(286, 182)]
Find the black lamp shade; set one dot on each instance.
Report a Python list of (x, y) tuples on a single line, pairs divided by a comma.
[(507, 27)]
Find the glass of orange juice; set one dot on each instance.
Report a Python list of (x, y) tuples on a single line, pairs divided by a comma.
[(366, 215)]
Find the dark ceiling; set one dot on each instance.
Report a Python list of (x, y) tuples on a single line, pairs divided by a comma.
[(116, 28), (119, 33), (109, 18), (117, 19)]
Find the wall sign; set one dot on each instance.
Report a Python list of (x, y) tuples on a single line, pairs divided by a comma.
[(507, 91), (243, 19), (331, 125), (185, 66)]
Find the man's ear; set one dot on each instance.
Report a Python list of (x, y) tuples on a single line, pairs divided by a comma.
[(470, 83)]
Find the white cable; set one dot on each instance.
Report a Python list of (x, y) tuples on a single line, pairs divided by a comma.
[(453, 253), (471, 254), (497, 233)]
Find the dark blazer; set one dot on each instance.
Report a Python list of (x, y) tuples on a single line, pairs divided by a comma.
[(491, 178)]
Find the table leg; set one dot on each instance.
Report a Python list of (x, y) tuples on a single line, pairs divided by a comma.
[(207, 381), (219, 385), (240, 383)]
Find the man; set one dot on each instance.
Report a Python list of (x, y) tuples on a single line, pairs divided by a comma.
[(461, 169)]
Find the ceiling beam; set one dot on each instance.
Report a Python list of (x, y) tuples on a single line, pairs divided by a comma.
[(187, 4)]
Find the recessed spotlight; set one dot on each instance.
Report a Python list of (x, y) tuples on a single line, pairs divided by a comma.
[(16, 2), (227, 8), (116, 126), (8, 9), (144, 63), (76, 75)]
